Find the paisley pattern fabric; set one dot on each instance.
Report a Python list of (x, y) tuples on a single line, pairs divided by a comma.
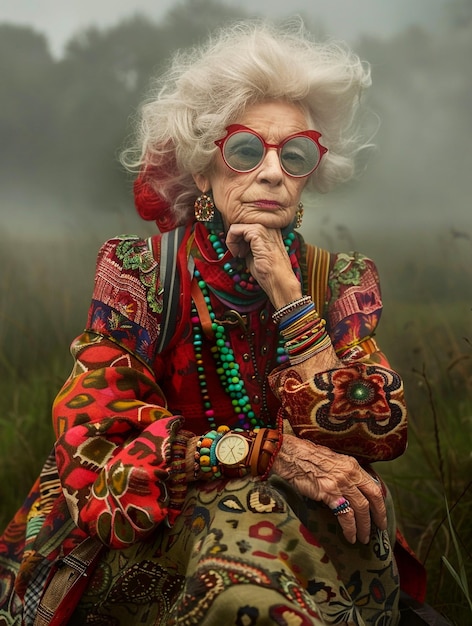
[(240, 554), (357, 410), (116, 419)]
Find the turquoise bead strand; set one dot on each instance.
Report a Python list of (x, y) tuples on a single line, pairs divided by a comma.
[(226, 367)]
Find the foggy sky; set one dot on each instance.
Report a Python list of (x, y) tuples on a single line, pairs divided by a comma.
[(424, 201), (346, 19)]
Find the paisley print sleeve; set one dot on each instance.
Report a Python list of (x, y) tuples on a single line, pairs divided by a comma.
[(358, 409), (114, 432)]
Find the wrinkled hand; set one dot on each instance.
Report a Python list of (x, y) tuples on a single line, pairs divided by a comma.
[(326, 476), (267, 260)]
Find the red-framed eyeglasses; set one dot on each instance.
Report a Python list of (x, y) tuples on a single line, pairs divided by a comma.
[(243, 150)]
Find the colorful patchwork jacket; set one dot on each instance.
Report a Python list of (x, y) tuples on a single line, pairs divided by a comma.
[(117, 415)]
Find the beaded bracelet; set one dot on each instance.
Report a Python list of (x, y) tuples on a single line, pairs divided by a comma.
[(206, 464), (288, 308)]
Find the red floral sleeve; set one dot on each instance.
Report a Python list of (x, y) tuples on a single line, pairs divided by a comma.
[(113, 429), (358, 409)]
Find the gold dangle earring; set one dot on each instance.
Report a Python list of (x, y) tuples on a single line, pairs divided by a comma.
[(299, 215), (204, 208)]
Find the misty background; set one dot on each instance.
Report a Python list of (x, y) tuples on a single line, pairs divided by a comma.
[(73, 74)]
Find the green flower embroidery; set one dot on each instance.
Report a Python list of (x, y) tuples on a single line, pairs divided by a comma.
[(347, 270), (135, 255)]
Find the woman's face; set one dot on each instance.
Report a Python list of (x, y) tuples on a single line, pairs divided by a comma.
[(267, 195)]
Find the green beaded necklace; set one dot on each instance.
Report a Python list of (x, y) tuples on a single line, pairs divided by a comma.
[(226, 366)]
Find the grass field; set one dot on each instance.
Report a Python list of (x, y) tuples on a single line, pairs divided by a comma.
[(430, 344)]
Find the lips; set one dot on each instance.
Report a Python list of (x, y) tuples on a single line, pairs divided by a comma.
[(267, 204)]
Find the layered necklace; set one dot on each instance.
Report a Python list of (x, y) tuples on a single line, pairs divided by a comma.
[(245, 296)]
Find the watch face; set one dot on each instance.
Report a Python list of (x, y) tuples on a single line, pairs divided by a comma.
[(231, 449)]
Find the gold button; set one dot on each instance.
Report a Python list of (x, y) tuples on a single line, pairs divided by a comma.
[(246, 357), (256, 399), (264, 350)]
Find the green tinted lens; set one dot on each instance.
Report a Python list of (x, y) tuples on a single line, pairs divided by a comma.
[(299, 156), (243, 151)]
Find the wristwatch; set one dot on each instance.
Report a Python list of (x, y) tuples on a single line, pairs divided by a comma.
[(233, 449), (248, 451)]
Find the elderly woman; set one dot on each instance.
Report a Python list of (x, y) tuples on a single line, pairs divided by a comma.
[(214, 439)]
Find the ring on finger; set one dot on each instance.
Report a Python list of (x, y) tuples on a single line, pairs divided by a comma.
[(343, 507)]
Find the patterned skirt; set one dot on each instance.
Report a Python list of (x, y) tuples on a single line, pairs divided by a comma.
[(243, 553)]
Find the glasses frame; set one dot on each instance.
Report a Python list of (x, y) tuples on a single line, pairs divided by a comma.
[(234, 129)]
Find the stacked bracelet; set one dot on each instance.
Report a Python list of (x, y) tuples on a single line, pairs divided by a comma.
[(303, 331), (298, 322), (206, 463), (310, 342), (290, 307)]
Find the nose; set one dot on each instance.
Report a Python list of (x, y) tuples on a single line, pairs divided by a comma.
[(270, 169)]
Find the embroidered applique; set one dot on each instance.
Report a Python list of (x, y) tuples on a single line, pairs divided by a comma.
[(347, 270), (135, 255)]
